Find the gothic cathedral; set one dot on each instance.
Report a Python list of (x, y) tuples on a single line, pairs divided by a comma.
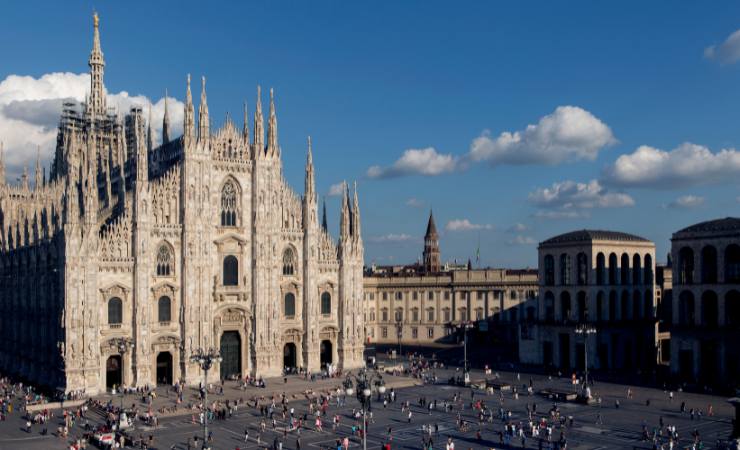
[(131, 257)]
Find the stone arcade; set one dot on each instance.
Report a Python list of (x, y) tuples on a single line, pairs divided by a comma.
[(193, 244)]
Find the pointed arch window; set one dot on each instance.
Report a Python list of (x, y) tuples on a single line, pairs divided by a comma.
[(288, 261), (228, 204), (164, 261)]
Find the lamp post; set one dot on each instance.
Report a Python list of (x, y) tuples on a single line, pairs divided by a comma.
[(364, 392), (585, 330), (465, 326), (399, 333), (205, 359), (122, 345)]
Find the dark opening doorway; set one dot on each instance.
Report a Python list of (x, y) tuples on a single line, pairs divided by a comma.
[(564, 349), (290, 356), (113, 371), (164, 368), (547, 354), (231, 354), (326, 353)]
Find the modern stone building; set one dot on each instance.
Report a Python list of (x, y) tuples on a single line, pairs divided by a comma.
[(196, 243), (706, 303), (603, 279), (423, 303)]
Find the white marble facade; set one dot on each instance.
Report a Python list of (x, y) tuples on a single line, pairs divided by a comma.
[(196, 243)]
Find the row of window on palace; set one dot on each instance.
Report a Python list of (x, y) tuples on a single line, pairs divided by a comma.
[(164, 308), (229, 269), (708, 267), (465, 295), (399, 332), (617, 272), (462, 314)]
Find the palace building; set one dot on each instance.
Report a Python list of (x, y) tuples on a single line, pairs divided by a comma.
[(706, 303), (601, 280), (196, 243), (425, 303)]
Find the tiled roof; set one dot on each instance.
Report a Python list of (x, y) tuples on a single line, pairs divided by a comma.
[(593, 235), (714, 226)]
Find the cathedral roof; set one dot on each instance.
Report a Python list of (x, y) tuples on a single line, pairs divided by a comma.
[(593, 235)]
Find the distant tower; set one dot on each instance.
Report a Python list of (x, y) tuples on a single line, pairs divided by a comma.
[(431, 247), (96, 100)]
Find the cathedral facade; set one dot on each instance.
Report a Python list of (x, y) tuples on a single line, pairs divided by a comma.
[(131, 256)]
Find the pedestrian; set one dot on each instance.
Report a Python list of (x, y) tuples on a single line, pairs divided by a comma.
[(246, 434)]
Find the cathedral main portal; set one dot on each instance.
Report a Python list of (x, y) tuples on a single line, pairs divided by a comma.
[(231, 354)]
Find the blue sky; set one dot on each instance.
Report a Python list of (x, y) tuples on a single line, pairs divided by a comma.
[(411, 99)]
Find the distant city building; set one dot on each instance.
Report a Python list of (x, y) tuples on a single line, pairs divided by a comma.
[(706, 303), (602, 279), (421, 304), (132, 257)]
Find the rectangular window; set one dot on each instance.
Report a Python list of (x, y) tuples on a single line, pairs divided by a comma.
[(480, 295), (415, 315), (384, 332), (414, 333), (447, 315), (431, 295), (416, 295), (447, 295), (385, 316), (430, 315), (430, 332), (385, 296), (399, 295)]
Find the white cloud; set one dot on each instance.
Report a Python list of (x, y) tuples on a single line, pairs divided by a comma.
[(727, 52), (687, 165), (392, 237), (424, 161), (569, 133), (466, 225), (336, 190), (518, 228), (686, 202), (30, 109), (414, 203), (570, 195), (522, 240), (561, 214)]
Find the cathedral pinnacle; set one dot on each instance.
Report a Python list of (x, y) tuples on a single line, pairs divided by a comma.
[(259, 130), (203, 120), (310, 191), (96, 100), (189, 119), (272, 140), (245, 131), (149, 133), (165, 122), (324, 223), (39, 180)]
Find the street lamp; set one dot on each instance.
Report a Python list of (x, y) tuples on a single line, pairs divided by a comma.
[(364, 392), (585, 330), (205, 359), (399, 333), (465, 326), (122, 345)]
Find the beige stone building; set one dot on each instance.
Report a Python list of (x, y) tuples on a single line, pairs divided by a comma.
[(422, 303), (602, 279), (706, 303), (196, 243)]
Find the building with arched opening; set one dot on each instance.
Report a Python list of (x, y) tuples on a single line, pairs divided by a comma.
[(195, 243), (601, 279), (706, 303)]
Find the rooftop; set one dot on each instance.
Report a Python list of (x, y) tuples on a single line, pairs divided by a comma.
[(593, 235), (728, 224)]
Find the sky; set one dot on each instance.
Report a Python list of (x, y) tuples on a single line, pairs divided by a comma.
[(512, 121)]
